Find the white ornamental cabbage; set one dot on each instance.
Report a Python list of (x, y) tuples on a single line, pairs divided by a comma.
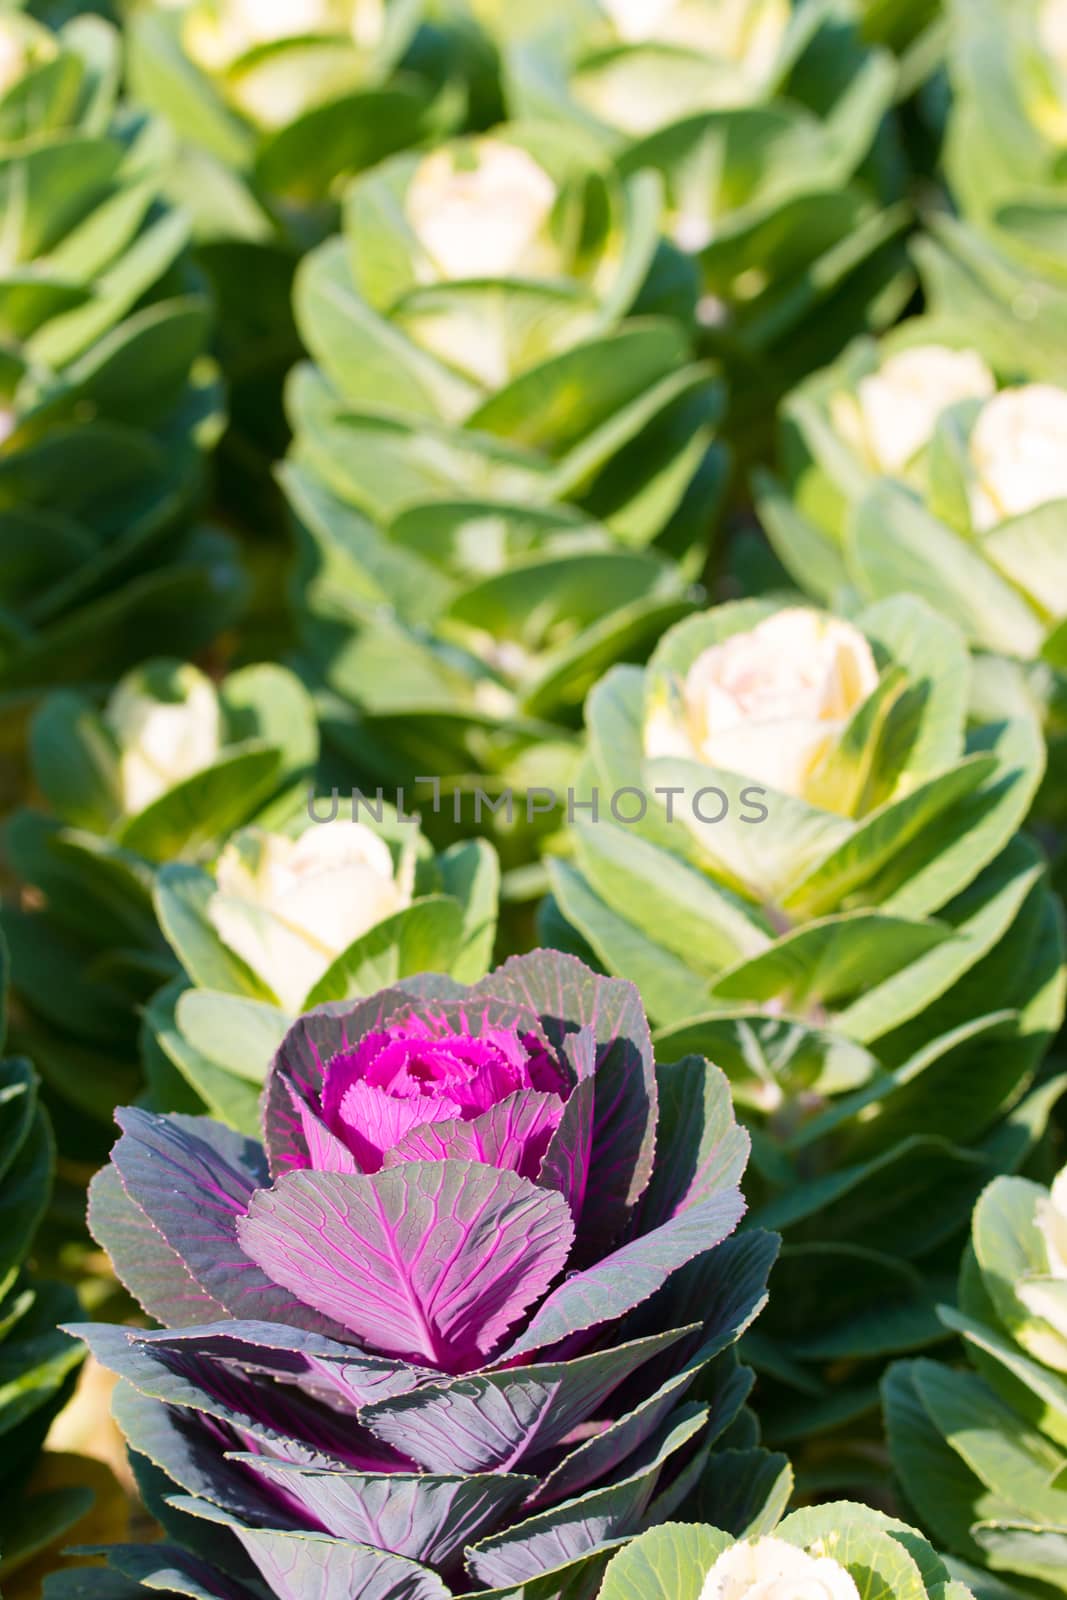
[(770, 703), (1019, 454), (673, 58), (479, 210), (290, 907), (23, 46), (681, 1560), (278, 59), (774, 1569), (914, 475), (893, 412), (167, 724), (746, 32), (218, 33)]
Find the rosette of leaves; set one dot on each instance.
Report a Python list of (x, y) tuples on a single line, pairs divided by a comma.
[(38, 1363), (828, 1552), (981, 1450), (164, 771), (290, 919), (464, 1324), (819, 884), (276, 103), (504, 471), (107, 402), (275, 106), (625, 69), (909, 470), (770, 127)]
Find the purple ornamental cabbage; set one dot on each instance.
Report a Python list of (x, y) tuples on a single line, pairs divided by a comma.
[(463, 1322)]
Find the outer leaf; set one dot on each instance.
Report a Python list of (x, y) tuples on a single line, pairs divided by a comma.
[(622, 1281), (18, 1101), (935, 1479), (831, 959), (566, 1163), (471, 874), (893, 1561), (766, 1057), (345, 1377), (426, 936), (231, 1099), (1016, 1463), (747, 1491), (599, 1459), (310, 1566), (424, 1518), (583, 1525), (189, 1453), (159, 1566), (144, 1263), (707, 928), (896, 546), (433, 1261), (204, 808), (278, 1416), (194, 1179), (495, 1421), (182, 896), (24, 1192), (882, 837), (666, 1563), (237, 1032), (701, 1149), (669, 987)]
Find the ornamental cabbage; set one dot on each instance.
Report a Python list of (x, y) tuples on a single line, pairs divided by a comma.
[(163, 770), (838, 1551), (504, 470), (809, 861), (463, 1321), (906, 470), (771, 127)]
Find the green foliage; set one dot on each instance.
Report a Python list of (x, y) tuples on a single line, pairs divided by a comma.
[(38, 1363), (107, 398), (980, 1451)]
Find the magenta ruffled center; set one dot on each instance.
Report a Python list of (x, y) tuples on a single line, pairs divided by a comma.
[(416, 1074)]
